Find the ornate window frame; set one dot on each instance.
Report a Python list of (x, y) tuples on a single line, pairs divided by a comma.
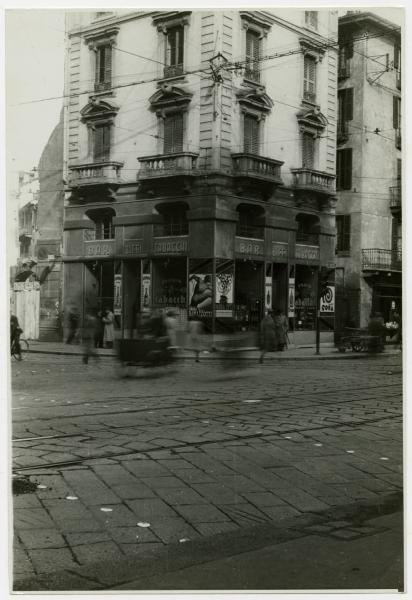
[(164, 22), (167, 100), (98, 113), (95, 41), (250, 20), (315, 51), (256, 103)]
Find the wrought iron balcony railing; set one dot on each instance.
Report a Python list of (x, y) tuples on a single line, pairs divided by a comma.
[(250, 231), (398, 139), (310, 239), (376, 259), (309, 179), (167, 165), (309, 96), (172, 71), (344, 70), (252, 72), (396, 197), (246, 164), (342, 132)]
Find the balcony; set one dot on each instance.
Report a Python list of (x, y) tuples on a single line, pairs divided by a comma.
[(396, 198), (307, 239), (344, 71), (376, 259), (172, 71), (309, 97), (311, 180), (398, 79), (167, 165), (342, 132), (95, 174), (258, 167), (252, 73)]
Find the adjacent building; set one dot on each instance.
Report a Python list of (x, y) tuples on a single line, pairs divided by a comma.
[(200, 155), (369, 169)]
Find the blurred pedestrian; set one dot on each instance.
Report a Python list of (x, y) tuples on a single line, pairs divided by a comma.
[(15, 333), (377, 329), (108, 333), (171, 326), (397, 318), (73, 320), (90, 326), (268, 338), (195, 330), (99, 330), (282, 327)]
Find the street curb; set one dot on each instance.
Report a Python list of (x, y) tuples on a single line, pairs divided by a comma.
[(106, 575)]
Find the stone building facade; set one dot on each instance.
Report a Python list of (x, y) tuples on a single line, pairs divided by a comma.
[(369, 168), (200, 159)]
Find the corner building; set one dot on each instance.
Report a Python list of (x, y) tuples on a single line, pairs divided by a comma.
[(200, 154)]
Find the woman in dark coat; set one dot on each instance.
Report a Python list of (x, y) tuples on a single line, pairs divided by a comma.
[(281, 326), (268, 338)]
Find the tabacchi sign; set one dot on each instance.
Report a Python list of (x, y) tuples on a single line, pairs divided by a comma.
[(170, 246)]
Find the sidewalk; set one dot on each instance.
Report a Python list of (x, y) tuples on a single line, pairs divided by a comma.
[(327, 351)]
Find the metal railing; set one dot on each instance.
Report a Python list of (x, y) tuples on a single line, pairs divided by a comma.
[(250, 231), (315, 180), (344, 71), (252, 72), (377, 259), (310, 239), (343, 131), (309, 96), (248, 164), (166, 229), (172, 71)]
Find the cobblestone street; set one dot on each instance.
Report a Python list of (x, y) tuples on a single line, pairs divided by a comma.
[(125, 469)]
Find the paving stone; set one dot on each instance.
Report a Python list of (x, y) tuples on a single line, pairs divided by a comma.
[(263, 499), (132, 535), (90, 488), (119, 515), (209, 529), (216, 493), (32, 518), (239, 483), (26, 501), (163, 482), (97, 552), (201, 513), (173, 530), (146, 468), (22, 565), (195, 476), (88, 537), (133, 490), (140, 549), (180, 496), (47, 560), (344, 534), (148, 509), (41, 538)]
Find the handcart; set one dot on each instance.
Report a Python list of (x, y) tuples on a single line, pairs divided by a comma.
[(145, 352), (359, 340)]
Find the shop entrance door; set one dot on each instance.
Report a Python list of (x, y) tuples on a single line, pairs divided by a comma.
[(132, 296), (280, 286), (99, 285), (249, 289)]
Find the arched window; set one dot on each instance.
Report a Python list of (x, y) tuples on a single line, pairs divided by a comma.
[(174, 219), (250, 223), (103, 220), (308, 229)]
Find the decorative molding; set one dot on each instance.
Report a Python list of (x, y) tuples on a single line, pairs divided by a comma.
[(98, 110), (169, 97), (252, 20), (312, 121), (255, 100), (312, 48), (165, 20), (104, 37)]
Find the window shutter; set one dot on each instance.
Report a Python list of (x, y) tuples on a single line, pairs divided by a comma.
[(395, 112), (348, 110), (173, 133), (308, 151), (251, 134), (252, 54), (97, 66), (108, 65), (180, 33), (106, 134), (396, 53), (309, 81), (98, 143)]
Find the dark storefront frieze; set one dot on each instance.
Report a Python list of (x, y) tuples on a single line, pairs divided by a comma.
[(249, 247), (280, 251), (169, 245), (99, 248), (307, 253)]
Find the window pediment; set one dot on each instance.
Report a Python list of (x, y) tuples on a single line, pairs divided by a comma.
[(165, 20), (312, 121), (311, 48), (255, 21), (102, 38), (99, 110), (255, 99), (168, 96)]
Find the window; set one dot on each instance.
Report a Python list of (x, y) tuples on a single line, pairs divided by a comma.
[(103, 220), (309, 79), (103, 78), (345, 112), (174, 51), (307, 232), (344, 56), (311, 18), (174, 220), (397, 120), (344, 169), (250, 221), (253, 53), (251, 134), (397, 65), (342, 233), (173, 133), (308, 151), (101, 142)]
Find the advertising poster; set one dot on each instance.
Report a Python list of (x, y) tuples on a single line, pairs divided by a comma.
[(268, 293), (146, 291), (224, 288), (200, 293), (327, 300), (291, 307), (117, 302)]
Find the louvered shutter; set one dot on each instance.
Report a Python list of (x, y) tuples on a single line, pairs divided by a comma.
[(308, 151), (98, 143), (180, 42), (97, 67), (108, 66), (106, 134), (348, 107), (173, 133), (251, 135), (395, 112), (172, 46), (252, 55)]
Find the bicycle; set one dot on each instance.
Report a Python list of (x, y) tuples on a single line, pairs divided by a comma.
[(24, 347)]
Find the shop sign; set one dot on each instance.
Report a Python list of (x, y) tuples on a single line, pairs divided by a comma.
[(306, 252), (170, 246), (146, 290), (327, 300), (280, 250), (99, 248), (117, 302), (250, 247), (26, 286), (291, 307), (133, 247)]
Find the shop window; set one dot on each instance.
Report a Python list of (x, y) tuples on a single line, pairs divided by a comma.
[(345, 113), (249, 223), (343, 224), (344, 169), (309, 78), (103, 220), (174, 220), (306, 232), (251, 134), (311, 19), (173, 133)]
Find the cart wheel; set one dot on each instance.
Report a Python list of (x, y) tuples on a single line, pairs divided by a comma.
[(357, 347), (342, 348)]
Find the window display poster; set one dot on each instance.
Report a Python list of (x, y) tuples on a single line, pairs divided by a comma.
[(291, 307), (200, 291), (146, 291), (268, 293), (224, 288), (117, 301), (327, 300)]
